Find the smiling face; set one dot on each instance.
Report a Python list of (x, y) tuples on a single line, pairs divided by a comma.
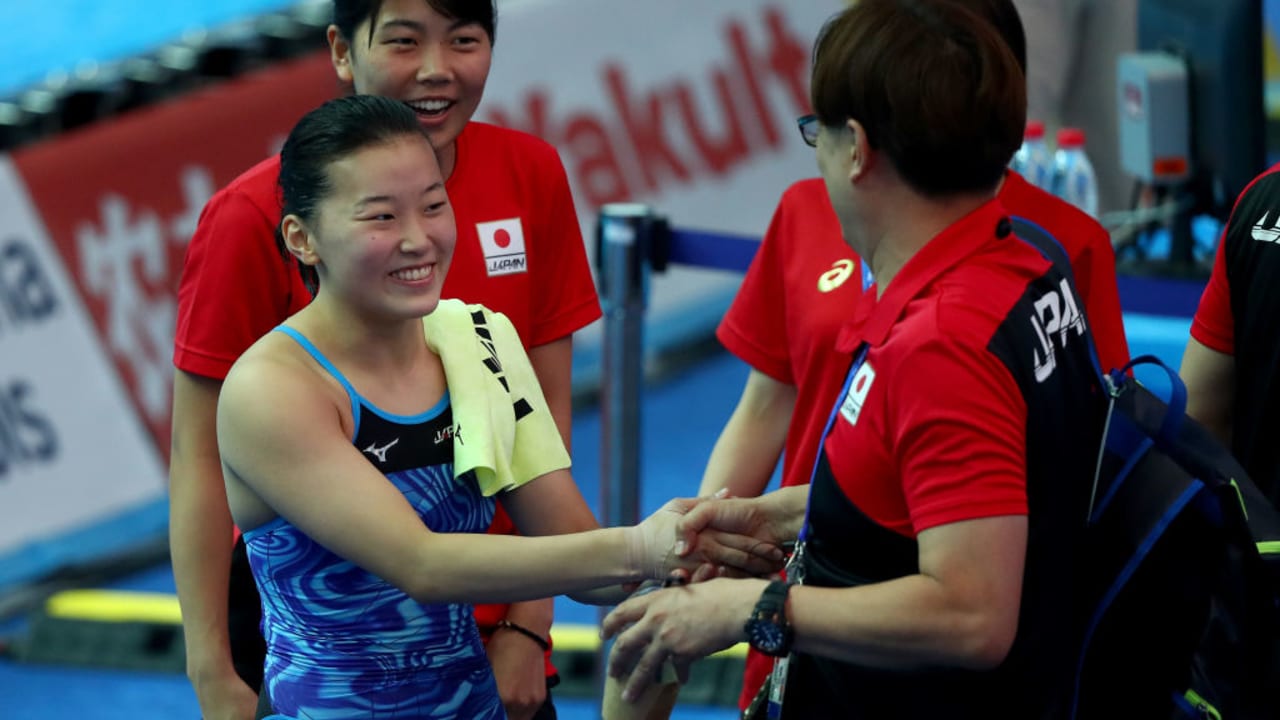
[(383, 233), (410, 52)]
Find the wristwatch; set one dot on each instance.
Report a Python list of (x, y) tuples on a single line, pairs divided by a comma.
[(767, 629)]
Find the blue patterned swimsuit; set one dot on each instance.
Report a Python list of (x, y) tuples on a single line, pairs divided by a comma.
[(345, 644)]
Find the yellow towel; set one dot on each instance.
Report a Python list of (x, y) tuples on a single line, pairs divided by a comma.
[(503, 429)]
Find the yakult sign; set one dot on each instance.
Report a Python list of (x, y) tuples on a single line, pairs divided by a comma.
[(687, 106)]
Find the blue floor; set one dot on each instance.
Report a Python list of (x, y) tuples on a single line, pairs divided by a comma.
[(677, 436)]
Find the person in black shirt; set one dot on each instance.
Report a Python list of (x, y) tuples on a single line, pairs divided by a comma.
[(1231, 365)]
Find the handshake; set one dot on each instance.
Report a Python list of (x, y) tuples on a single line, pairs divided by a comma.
[(732, 544), (696, 539)]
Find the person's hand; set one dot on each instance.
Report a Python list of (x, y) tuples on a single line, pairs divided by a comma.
[(661, 548), (654, 704), (680, 624), (518, 667), (225, 697), (731, 536)]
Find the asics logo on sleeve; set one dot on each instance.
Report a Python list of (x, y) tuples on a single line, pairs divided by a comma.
[(835, 277), (380, 452)]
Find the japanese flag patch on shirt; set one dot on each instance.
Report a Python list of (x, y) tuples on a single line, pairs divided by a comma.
[(851, 408), (503, 245)]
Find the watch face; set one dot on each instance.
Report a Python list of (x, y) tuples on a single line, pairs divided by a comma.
[(767, 637), (767, 629)]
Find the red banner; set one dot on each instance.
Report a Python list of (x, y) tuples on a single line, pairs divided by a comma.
[(120, 200)]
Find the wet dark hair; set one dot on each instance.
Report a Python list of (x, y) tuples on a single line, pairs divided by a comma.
[(348, 14), (325, 135), (935, 87)]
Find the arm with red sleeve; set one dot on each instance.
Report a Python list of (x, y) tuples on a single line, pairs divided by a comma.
[(565, 299), (755, 330), (958, 443), (1208, 363), (235, 286), (958, 439)]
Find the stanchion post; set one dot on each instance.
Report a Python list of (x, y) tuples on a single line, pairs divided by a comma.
[(622, 238), (624, 289)]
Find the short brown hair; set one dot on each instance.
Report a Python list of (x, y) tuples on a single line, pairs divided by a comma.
[(934, 86)]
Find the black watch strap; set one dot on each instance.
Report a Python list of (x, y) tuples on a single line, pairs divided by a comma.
[(768, 630), (774, 599)]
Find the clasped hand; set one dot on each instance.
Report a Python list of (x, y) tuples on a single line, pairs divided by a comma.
[(688, 540), (681, 624)]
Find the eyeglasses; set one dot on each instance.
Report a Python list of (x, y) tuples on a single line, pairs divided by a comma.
[(808, 125)]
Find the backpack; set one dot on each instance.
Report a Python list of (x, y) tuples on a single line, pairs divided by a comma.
[(1177, 611), (1182, 593)]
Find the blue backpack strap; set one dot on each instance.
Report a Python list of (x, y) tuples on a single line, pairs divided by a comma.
[(1171, 426), (1048, 246)]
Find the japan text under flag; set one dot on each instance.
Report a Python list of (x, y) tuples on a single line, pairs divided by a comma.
[(503, 245)]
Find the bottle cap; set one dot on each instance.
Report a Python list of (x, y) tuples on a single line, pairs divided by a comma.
[(1070, 138), (1034, 131)]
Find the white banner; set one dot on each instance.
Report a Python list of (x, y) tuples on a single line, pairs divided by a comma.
[(72, 450)]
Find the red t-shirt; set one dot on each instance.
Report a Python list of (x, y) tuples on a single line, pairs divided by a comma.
[(801, 287), (519, 251), (507, 186), (1213, 324), (935, 432), (805, 282)]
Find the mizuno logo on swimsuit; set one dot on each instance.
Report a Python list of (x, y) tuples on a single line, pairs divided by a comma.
[(380, 452)]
